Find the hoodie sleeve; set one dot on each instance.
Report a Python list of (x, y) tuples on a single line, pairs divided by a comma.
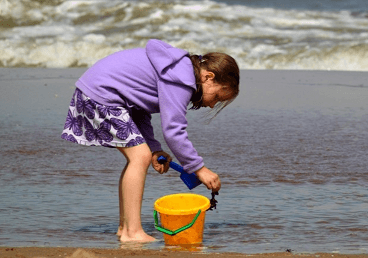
[(175, 87), (143, 121), (173, 100)]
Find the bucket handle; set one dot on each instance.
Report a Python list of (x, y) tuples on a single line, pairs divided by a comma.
[(171, 232)]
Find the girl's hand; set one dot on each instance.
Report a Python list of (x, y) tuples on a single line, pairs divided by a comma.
[(210, 179), (160, 168)]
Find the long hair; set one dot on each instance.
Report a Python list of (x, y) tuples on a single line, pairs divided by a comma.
[(226, 73)]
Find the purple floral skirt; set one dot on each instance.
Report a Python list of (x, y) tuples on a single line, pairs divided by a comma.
[(90, 123)]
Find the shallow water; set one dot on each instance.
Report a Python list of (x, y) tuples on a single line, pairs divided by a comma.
[(291, 153)]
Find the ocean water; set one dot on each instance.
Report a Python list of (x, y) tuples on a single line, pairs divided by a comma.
[(263, 34), (291, 152)]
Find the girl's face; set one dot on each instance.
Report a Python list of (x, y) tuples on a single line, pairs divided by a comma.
[(212, 91)]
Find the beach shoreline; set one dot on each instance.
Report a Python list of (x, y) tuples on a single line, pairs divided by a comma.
[(297, 171), (74, 252)]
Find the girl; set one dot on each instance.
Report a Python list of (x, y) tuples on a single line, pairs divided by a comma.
[(112, 107)]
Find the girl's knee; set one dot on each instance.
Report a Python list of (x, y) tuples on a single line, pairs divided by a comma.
[(146, 157), (138, 154)]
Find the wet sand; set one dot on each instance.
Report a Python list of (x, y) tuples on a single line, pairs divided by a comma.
[(22, 252), (298, 173)]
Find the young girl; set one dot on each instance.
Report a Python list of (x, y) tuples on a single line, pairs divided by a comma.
[(112, 107)]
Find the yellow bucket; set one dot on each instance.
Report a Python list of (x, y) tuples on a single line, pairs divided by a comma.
[(182, 217)]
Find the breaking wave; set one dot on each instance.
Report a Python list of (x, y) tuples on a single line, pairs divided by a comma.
[(59, 33)]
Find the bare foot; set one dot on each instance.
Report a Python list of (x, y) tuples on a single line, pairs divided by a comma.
[(139, 236), (120, 231)]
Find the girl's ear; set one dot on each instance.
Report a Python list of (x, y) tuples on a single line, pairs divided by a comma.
[(211, 75), (206, 75)]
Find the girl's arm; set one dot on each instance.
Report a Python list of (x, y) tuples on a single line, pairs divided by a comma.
[(173, 100), (210, 179), (143, 121)]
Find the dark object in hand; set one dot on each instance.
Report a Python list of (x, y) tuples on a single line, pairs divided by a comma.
[(213, 202), (191, 180)]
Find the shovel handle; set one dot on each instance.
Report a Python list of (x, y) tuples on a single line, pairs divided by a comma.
[(172, 164), (191, 180)]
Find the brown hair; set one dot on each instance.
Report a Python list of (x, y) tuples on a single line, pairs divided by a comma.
[(226, 73)]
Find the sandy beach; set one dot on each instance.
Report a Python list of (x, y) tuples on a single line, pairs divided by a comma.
[(291, 150), (295, 178), (47, 252)]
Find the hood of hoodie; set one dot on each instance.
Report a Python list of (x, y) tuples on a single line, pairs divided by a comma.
[(171, 64)]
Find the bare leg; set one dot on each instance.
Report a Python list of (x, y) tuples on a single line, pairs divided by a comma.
[(132, 187), (121, 206)]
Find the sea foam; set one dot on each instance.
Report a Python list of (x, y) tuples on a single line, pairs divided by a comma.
[(78, 33)]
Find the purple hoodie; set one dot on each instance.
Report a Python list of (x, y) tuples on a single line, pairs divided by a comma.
[(155, 79)]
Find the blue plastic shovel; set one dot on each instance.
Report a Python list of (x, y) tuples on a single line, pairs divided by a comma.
[(191, 180)]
